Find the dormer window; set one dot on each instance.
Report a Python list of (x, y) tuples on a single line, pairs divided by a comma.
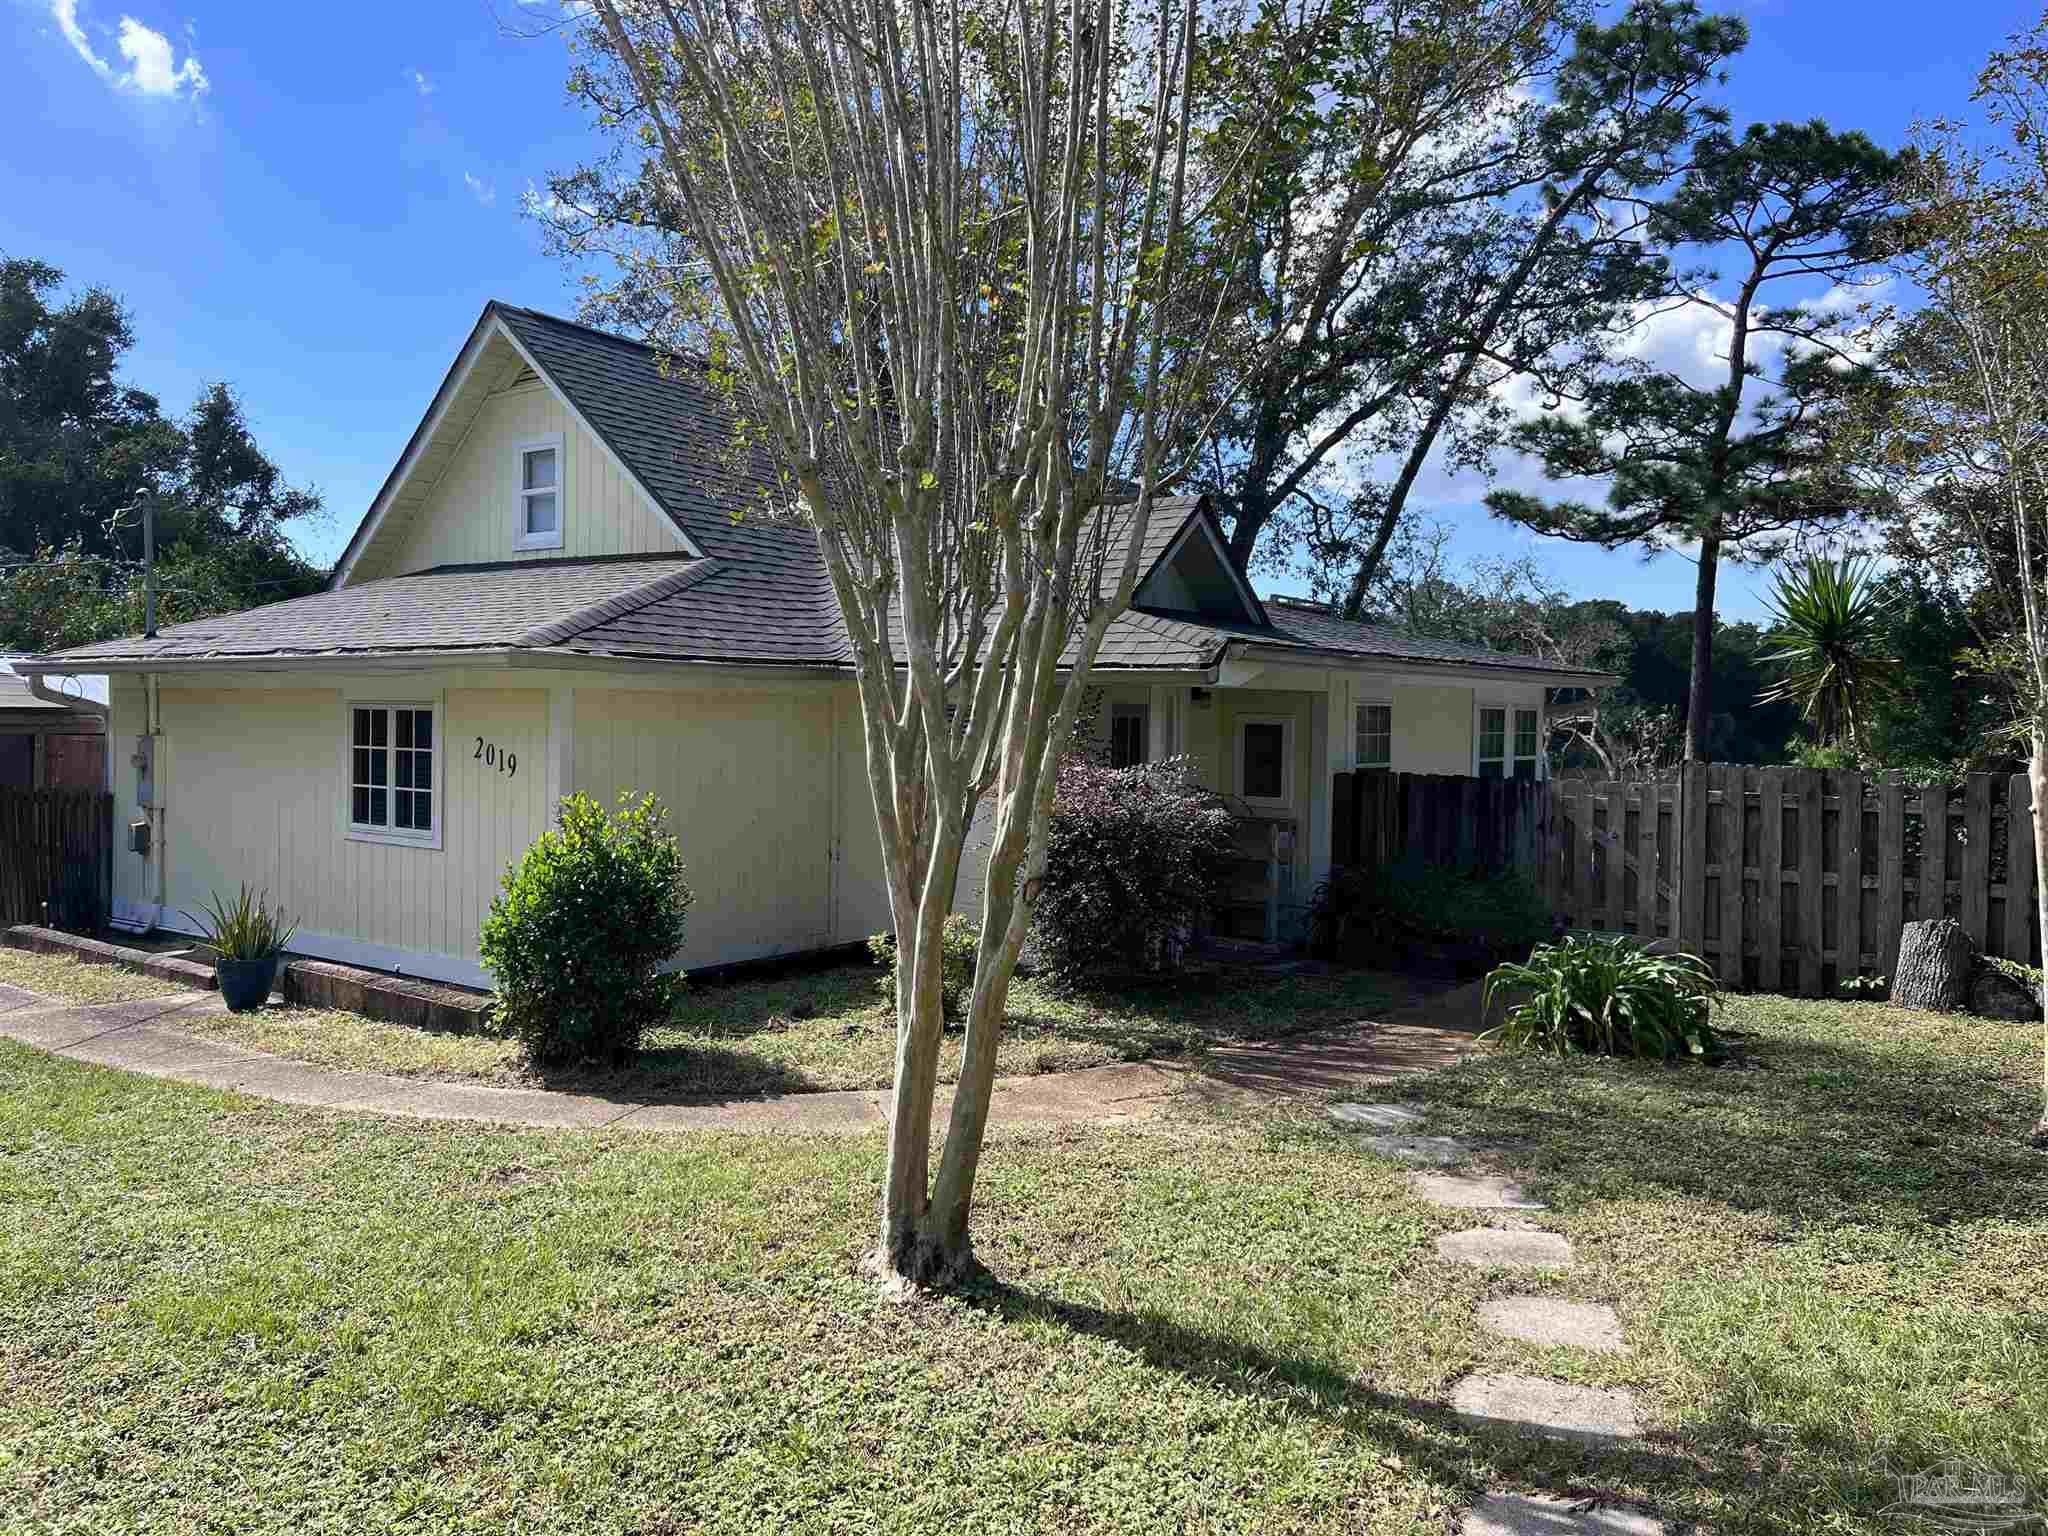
[(540, 494)]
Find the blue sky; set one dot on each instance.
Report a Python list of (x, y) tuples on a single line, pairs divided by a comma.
[(313, 205)]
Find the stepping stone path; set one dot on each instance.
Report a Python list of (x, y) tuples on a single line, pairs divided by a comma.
[(1555, 1410), (1473, 1192), (1396, 1121), (1381, 1117), (1545, 1320), (1526, 1404), (1501, 1248), (1519, 1514), (1430, 1151)]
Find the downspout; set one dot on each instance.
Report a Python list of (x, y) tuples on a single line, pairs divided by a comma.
[(148, 764), (156, 797)]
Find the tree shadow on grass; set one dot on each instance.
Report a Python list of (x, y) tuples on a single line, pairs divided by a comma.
[(680, 1074), (1725, 1470), (1799, 1128)]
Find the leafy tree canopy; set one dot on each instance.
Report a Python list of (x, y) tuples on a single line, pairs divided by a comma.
[(78, 447)]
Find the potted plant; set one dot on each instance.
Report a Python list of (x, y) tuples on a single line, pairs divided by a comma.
[(248, 941)]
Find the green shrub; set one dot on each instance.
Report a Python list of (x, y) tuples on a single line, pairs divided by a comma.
[(576, 938), (1416, 901), (958, 941), (1607, 997), (1136, 860)]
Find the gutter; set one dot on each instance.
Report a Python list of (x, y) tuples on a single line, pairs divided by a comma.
[(1355, 661), (75, 702)]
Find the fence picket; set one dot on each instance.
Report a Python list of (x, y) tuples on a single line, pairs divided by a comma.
[(1770, 942), (1974, 908), (1891, 879)]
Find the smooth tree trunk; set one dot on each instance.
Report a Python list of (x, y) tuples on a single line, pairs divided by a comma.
[(2037, 783)]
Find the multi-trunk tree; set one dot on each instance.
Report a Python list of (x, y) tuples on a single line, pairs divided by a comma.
[(935, 251), (1737, 466), (1966, 437)]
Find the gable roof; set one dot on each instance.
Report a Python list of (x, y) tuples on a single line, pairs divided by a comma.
[(743, 586)]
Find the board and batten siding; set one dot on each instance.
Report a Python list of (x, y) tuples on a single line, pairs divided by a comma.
[(748, 778), (253, 784), (471, 516)]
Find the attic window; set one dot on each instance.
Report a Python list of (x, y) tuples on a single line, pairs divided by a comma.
[(540, 494)]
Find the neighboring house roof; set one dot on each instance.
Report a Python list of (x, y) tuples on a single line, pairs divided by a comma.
[(745, 587), (22, 709)]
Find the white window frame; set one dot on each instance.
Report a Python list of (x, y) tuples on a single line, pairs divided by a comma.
[(552, 539), (1508, 758), (359, 832), (1285, 802), (1358, 708)]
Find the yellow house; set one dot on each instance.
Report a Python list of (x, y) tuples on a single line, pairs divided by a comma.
[(561, 587)]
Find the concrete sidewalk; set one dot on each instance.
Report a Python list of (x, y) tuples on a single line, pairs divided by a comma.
[(143, 1037)]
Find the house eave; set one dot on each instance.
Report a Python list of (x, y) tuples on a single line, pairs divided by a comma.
[(1325, 659)]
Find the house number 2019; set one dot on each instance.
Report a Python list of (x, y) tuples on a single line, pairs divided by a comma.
[(491, 755)]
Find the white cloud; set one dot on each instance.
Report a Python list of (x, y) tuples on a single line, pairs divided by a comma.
[(547, 207), (152, 63), (480, 189), (420, 82)]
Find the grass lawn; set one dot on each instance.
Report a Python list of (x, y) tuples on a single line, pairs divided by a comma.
[(798, 1032), (220, 1315), (74, 981)]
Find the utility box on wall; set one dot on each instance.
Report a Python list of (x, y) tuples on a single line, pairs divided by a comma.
[(145, 771), (138, 836)]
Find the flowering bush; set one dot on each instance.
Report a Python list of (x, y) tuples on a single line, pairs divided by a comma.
[(576, 939), (1136, 861)]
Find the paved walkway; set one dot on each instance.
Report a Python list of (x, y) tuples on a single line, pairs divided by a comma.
[(144, 1037)]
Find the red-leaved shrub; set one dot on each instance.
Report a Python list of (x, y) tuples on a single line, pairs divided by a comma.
[(1137, 858)]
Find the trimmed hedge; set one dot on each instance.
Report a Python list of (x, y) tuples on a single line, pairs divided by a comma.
[(576, 938)]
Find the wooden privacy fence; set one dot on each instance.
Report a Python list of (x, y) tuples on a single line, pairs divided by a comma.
[(56, 856), (1386, 818), (1791, 879)]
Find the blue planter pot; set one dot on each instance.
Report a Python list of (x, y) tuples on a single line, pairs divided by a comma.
[(245, 984)]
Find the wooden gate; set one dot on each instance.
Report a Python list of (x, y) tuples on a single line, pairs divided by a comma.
[(56, 856)]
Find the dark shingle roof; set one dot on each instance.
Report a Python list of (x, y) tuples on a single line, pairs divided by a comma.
[(760, 593)]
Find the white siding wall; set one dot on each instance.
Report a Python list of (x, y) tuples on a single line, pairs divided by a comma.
[(252, 780), (471, 514), (748, 780)]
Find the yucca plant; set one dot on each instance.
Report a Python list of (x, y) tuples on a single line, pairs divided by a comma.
[(1607, 997), (247, 930), (1828, 622)]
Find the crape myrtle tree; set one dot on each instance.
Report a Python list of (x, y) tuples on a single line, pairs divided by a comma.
[(1966, 438), (934, 251), (1452, 202), (1736, 468)]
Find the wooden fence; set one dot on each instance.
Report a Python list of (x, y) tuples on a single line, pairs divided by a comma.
[(1791, 879), (56, 856), (1387, 818)]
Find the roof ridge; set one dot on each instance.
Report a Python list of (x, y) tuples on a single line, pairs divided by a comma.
[(689, 354), (618, 604)]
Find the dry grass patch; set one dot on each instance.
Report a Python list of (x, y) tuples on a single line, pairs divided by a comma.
[(73, 981)]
